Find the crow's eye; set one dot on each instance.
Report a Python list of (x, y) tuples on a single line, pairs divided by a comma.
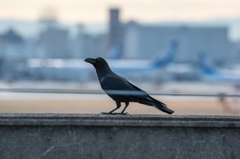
[(98, 59)]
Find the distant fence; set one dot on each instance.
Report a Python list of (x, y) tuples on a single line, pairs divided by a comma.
[(84, 136), (115, 92)]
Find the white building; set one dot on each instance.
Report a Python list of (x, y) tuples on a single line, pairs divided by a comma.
[(55, 42)]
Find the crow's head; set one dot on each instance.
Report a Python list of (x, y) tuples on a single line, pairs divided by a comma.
[(98, 62)]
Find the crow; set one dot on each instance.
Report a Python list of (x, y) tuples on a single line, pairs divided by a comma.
[(111, 82)]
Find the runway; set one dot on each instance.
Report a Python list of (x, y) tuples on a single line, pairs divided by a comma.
[(210, 106)]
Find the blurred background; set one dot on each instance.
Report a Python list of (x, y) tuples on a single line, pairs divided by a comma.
[(180, 48)]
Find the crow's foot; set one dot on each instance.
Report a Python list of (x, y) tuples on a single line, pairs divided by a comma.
[(107, 113), (120, 113)]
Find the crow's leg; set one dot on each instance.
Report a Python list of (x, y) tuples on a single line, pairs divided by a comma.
[(118, 106), (126, 105)]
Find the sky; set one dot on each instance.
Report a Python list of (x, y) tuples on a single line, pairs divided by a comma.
[(96, 11)]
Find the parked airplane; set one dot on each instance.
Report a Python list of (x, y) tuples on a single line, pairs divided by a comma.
[(211, 72), (136, 66), (77, 69)]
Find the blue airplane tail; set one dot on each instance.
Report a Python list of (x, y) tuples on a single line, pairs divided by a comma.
[(205, 63), (116, 51), (215, 74), (169, 55)]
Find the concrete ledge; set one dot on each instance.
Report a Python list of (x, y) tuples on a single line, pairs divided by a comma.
[(118, 120), (29, 136)]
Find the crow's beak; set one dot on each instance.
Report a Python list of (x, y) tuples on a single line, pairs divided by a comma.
[(90, 60)]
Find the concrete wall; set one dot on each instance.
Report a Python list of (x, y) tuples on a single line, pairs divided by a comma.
[(72, 136)]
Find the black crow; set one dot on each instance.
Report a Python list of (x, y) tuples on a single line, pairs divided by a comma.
[(111, 82)]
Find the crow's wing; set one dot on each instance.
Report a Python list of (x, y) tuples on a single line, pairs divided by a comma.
[(113, 82)]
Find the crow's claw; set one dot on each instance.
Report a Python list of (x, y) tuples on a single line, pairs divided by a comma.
[(106, 113)]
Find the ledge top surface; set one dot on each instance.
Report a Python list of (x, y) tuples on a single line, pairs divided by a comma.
[(132, 120)]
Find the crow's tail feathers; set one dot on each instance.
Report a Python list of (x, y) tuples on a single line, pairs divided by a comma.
[(152, 102), (164, 109), (161, 106)]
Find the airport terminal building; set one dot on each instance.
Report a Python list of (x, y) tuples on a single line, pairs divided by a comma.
[(145, 41)]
